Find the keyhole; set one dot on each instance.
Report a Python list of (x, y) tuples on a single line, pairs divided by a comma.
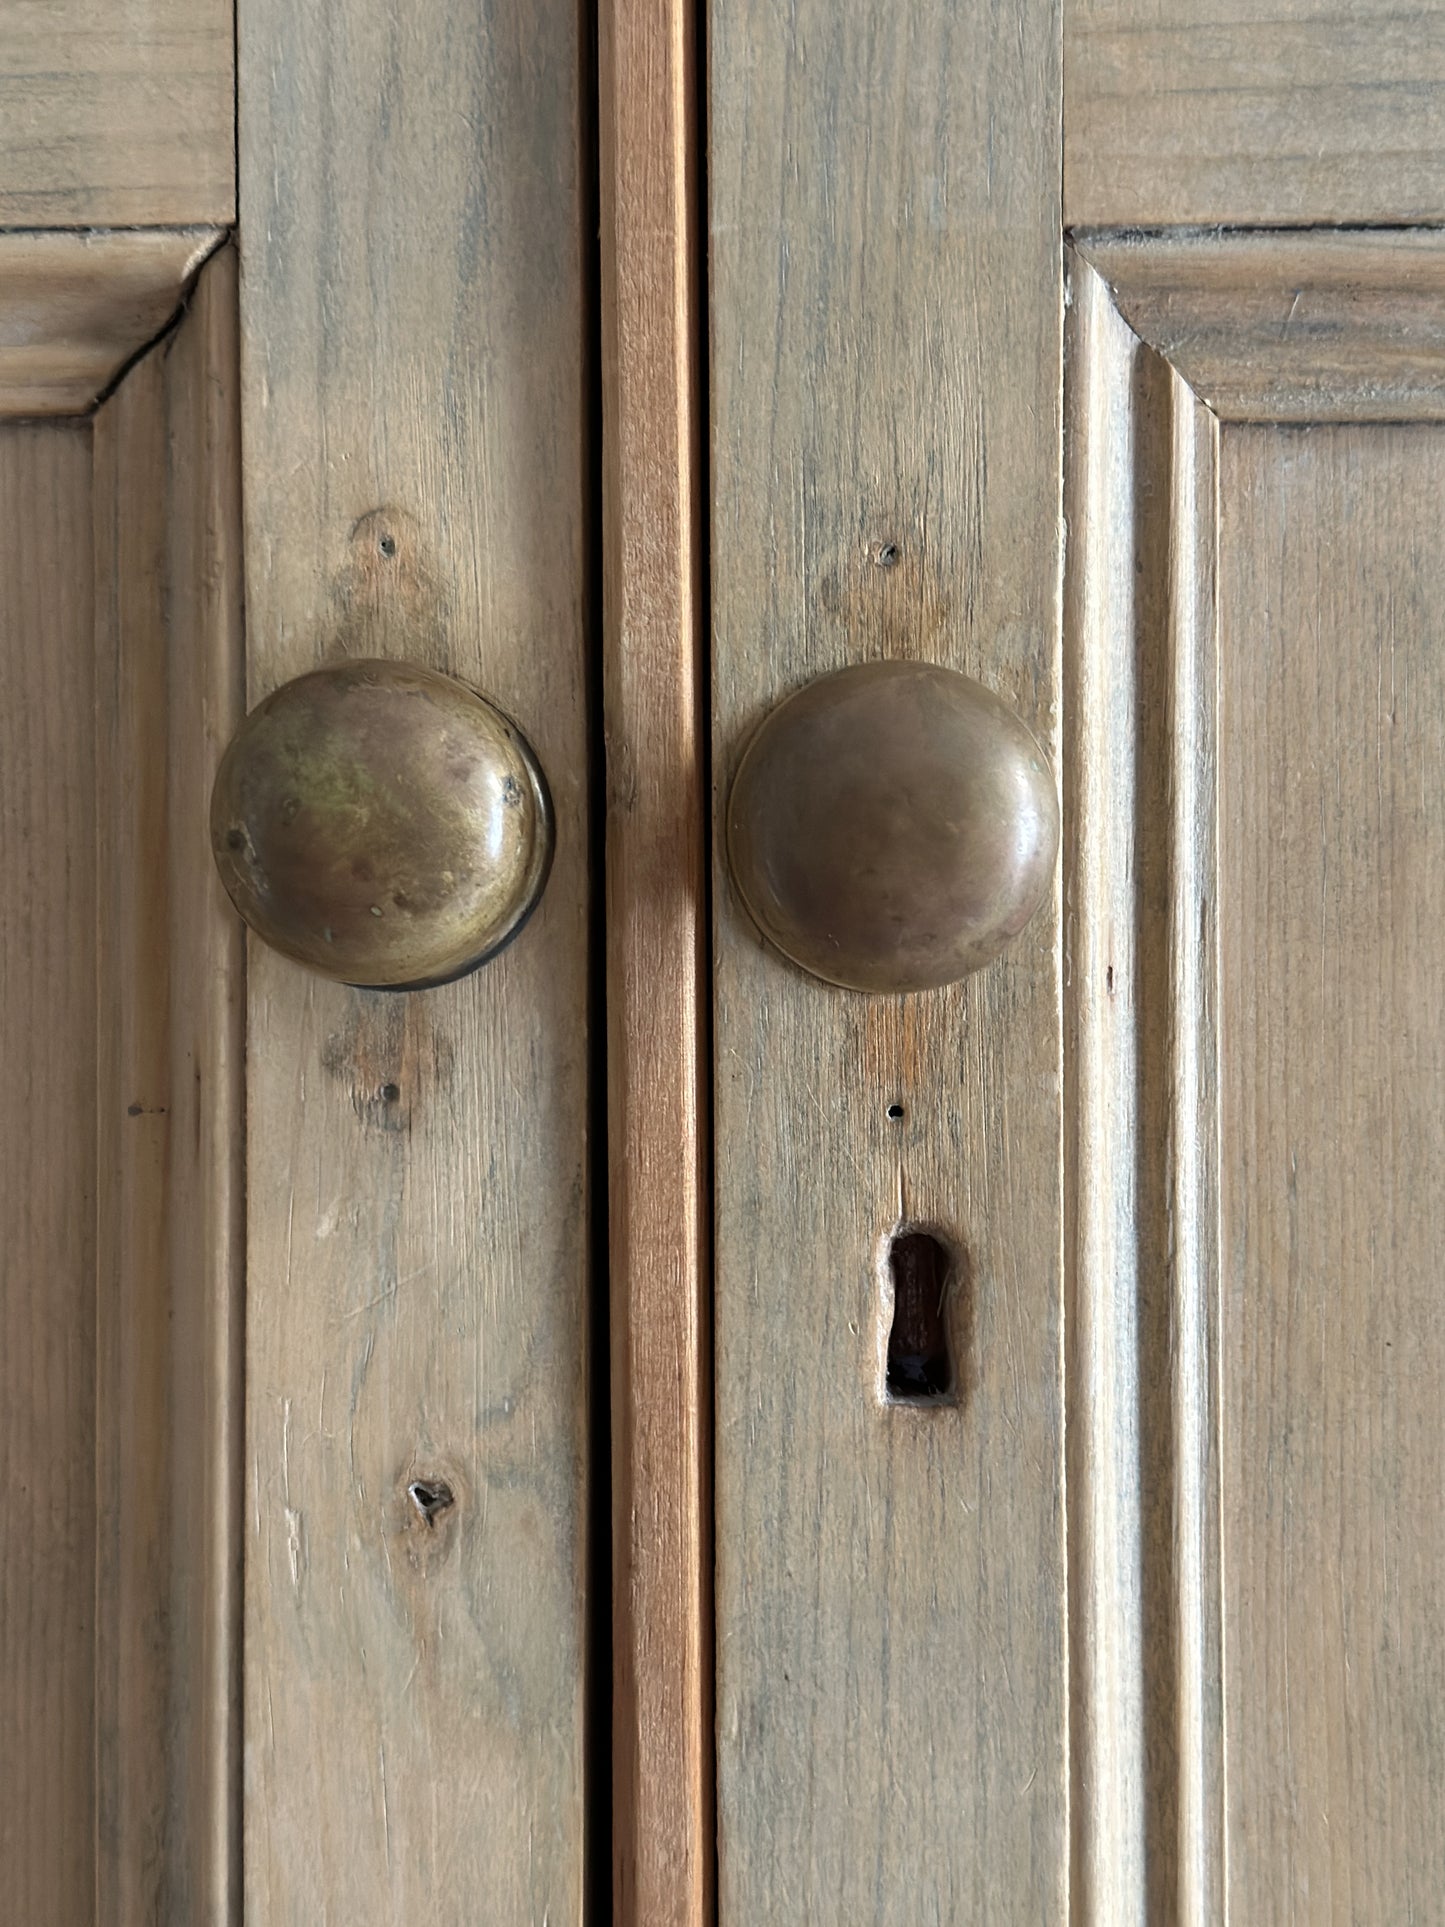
[(919, 1367)]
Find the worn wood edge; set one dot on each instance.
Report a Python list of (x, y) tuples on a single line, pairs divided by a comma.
[(1288, 325), (654, 700), (1192, 1152), (132, 1287), (169, 1190), (1142, 1817), (77, 305)]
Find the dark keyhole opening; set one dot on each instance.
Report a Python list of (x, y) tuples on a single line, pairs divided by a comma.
[(919, 1365)]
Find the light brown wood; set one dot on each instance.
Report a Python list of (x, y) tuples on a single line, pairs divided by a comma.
[(1332, 1035), (654, 684), (1254, 1093), (418, 1304), (1205, 111), (169, 996), (885, 366), (1290, 327), (47, 1178), (116, 113), (1140, 1104), (75, 308)]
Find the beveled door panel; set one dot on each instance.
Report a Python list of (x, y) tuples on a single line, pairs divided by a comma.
[(1257, 1352)]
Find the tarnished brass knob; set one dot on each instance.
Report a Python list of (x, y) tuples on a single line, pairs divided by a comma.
[(892, 826), (381, 824)]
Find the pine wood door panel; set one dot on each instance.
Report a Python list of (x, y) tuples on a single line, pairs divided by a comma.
[(1257, 1537), (47, 1225), (885, 363), (119, 1593), (1332, 1087), (414, 405)]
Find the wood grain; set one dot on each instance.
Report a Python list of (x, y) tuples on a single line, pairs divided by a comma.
[(169, 661), (1290, 327), (1257, 1536), (47, 1177), (1309, 111), (1141, 1109), (1332, 1025), (74, 309), (885, 299), (116, 113), (654, 683), (418, 1291)]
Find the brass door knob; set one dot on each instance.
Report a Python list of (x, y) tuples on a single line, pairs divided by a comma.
[(892, 826), (381, 824)]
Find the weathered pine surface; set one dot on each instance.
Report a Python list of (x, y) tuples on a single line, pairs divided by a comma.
[(1140, 1108), (74, 309), (1209, 111), (116, 113), (414, 367), (170, 1001), (1254, 1094), (885, 312), (47, 1177), (1332, 1108)]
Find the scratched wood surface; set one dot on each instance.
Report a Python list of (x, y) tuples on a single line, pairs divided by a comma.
[(169, 997), (884, 287), (1332, 1039), (1302, 112), (116, 113), (655, 728), (47, 1176), (415, 359)]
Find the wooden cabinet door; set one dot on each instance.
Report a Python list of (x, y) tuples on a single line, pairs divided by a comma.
[(1142, 1623), (299, 1595), (452, 1468)]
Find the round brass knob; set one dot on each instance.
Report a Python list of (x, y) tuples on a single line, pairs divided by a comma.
[(382, 824), (892, 826)]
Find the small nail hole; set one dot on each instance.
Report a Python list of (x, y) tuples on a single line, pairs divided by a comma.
[(390, 1093), (888, 555), (919, 1369), (387, 545), (896, 1112)]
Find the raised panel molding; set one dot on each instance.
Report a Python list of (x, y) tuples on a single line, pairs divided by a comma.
[(77, 307), (1178, 346), (1140, 1106), (1288, 326)]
